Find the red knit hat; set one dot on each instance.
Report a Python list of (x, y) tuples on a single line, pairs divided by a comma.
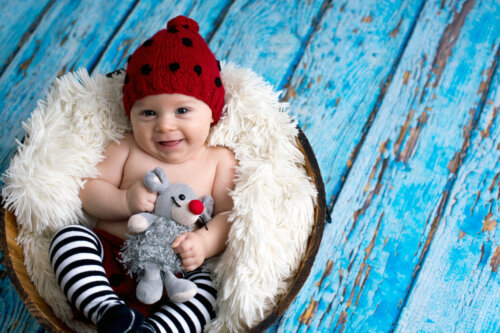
[(175, 60)]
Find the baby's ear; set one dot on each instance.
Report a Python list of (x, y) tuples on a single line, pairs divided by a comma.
[(156, 180)]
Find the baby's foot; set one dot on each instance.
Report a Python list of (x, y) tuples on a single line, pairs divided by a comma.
[(119, 319)]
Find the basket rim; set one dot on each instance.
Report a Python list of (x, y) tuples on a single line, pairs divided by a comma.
[(313, 243), (46, 317)]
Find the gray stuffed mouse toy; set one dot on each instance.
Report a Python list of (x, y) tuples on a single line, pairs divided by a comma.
[(148, 254)]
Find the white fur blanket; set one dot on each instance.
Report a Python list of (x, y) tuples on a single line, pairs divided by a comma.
[(273, 199)]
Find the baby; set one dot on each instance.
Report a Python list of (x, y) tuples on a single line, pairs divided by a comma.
[(172, 94)]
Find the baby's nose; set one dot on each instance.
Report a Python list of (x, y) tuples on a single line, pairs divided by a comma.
[(196, 207), (166, 123)]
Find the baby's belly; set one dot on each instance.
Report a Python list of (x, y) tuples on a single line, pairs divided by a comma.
[(117, 228)]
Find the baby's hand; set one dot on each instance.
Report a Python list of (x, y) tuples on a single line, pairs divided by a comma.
[(140, 199), (191, 248)]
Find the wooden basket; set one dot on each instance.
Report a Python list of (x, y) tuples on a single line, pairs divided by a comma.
[(14, 258)]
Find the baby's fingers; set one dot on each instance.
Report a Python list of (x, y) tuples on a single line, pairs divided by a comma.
[(178, 244)]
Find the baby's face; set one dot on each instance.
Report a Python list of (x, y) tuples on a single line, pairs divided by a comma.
[(171, 127)]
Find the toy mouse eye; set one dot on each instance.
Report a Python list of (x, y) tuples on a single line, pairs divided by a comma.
[(182, 197)]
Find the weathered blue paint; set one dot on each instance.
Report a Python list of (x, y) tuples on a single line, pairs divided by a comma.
[(461, 268), (148, 17), (69, 36), (400, 101), (14, 317), (18, 23), (395, 192), (273, 31)]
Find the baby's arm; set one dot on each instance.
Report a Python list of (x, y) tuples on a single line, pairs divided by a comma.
[(195, 247), (102, 197)]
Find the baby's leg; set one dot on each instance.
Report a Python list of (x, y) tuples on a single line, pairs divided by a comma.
[(76, 256), (192, 315)]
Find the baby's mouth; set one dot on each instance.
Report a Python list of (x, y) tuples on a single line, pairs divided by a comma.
[(170, 143)]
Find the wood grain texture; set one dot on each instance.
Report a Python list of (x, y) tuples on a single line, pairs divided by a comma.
[(466, 243), (70, 35), (146, 18), (19, 24), (400, 102), (393, 199), (266, 36), (344, 70)]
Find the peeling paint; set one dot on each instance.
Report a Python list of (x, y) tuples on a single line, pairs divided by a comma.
[(367, 19), (369, 198), (454, 163), (395, 32), (432, 231), (26, 64), (290, 92), (412, 141), (337, 101), (308, 315), (488, 223), (367, 274), (449, 38), (461, 234), (494, 183), (358, 285), (478, 195), (406, 77), (485, 133), (328, 271), (495, 260), (447, 44), (341, 321), (372, 174), (402, 132)]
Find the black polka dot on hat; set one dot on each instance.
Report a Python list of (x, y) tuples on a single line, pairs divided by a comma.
[(197, 69), (186, 26), (218, 82), (188, 42), (148, 42), (146, 69), (174, 67), (127, 79), (172, 30)]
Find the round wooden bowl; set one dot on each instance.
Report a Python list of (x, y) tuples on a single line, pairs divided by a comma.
[(14, 258)]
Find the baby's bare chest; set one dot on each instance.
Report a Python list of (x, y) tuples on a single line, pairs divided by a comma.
[(198, 173)]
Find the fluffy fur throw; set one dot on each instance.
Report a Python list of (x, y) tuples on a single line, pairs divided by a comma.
[(273, 199)]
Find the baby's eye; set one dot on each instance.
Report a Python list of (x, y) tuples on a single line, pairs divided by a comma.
[(182, 110), (182, 197), (148, 113)]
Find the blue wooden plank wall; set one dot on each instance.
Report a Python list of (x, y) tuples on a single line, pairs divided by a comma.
[(400, 101)]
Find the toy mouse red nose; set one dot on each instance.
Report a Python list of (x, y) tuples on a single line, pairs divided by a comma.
[(196, 207)]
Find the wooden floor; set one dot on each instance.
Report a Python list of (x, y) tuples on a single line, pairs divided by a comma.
[(400, 101)]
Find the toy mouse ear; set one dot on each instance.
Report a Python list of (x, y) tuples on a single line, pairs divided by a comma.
[(156, 180)]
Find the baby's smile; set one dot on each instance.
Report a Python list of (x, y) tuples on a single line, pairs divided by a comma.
[(170, 143)]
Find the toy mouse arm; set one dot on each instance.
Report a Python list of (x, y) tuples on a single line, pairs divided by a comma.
[(206, 216), (140, 222)]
